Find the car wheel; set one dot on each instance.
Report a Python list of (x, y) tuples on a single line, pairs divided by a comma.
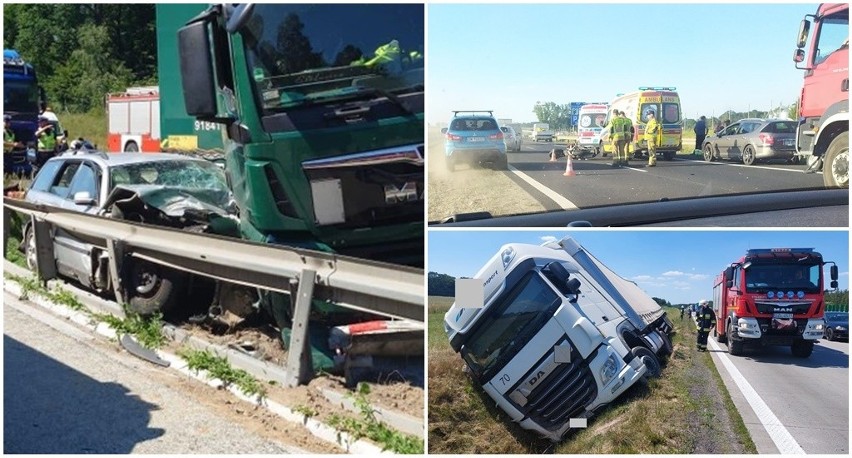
[(649, 360), (152, 287), (131, 147), (829, 334), (30, 249), (748, 155), (708, 153), (502, 163), (835, 171)]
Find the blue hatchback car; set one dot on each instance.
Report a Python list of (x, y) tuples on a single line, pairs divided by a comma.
[(474, 137)]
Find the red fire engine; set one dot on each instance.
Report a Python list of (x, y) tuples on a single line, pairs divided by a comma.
[(772, 297), (134, 120)]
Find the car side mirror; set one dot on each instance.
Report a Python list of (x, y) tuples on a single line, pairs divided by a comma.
[(444, 130), (83, 198)]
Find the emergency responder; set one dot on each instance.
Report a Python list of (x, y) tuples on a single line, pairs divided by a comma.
[(10, 143), (631, 131), (652, 129), (706, 320), (45, 135), (618, 135), (682, 309), (700, 133)]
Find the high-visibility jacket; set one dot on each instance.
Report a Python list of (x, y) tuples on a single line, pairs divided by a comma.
[(619, 129), (652, 129), (47, 141), (8, 139), (706, 319)]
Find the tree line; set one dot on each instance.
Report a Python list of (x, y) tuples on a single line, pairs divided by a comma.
[(81, 52)]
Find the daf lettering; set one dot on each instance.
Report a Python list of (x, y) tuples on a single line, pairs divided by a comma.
[(536, 378)]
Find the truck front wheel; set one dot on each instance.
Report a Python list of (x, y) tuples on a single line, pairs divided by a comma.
[(735, 346), (835, 173), (802, 348), (649, 360)]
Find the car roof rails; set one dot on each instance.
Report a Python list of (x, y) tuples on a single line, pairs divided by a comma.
[(85, 151), (456, 112)]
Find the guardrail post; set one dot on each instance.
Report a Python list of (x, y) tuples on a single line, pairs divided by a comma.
[(115, 248), (45, 261), (299, 362)]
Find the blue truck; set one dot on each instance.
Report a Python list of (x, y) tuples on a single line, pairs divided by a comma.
[(21, 101)]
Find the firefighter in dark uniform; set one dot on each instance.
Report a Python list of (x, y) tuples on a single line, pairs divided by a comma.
[(706, 319)]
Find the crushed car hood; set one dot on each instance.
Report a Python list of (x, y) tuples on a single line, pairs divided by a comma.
[(206, 210)]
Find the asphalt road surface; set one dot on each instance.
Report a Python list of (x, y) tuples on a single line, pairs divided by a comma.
[(809, 397), (596, 183), (69, 393)]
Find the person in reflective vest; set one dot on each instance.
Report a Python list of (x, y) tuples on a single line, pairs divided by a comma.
[(652, 129), (706, 320), (618, 135), (45, 135), (9, 141)]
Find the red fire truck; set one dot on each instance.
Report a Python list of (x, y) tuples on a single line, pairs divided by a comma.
[(773, 296), (823, 133), (134, 120)]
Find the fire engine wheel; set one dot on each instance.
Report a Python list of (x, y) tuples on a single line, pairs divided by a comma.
[(131, 147), (152, 288), (802, 348), (649, 360), (735, 347), (708, 153), (719, 337), (835, 171), (748, 155)]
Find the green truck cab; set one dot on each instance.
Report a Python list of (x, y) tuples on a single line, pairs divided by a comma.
[(317, 111)]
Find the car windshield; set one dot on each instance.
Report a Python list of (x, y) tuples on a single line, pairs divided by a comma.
[(186, 175), (695, 177), (507, 328), (300, 54), (783, 277)]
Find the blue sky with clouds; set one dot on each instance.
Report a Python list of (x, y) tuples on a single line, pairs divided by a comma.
[(505, 57), (678, 266)]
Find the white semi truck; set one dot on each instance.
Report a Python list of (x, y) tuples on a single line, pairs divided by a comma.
[(558, 336)]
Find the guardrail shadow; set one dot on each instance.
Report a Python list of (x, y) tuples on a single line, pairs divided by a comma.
[(52, 408)]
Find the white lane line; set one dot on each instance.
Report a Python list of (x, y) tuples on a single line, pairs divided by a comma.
[(635, 169), (553, 195), (765, 167), (785, 442)]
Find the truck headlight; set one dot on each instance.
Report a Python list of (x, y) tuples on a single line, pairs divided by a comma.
[(608, 370), (819, 327)]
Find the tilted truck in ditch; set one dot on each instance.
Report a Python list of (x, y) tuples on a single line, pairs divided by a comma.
[(559, 334), (772, 296), (822, 136)]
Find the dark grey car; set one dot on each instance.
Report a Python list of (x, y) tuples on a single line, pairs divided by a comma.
[(750, 140)]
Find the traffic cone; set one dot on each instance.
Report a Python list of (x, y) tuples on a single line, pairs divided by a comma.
[(552, 155), (569, 168)]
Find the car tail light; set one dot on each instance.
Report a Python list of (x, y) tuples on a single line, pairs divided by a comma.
[(767, 139), (497, 136), (454, 137)]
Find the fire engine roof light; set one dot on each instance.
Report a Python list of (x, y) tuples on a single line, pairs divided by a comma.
[(755, 251)]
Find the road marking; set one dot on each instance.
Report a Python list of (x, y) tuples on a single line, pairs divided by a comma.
[(785, 442), (635, 169), (765, 167), (553, 195)]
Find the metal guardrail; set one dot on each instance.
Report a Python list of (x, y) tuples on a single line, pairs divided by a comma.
[(384, 289)]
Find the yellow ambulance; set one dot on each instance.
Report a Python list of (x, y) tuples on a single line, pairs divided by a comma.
[(664, 102)]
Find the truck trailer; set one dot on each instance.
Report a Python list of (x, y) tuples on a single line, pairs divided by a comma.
[(772, 296), (558, 336)]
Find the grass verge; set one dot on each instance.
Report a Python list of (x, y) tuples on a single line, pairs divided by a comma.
[(370, 427), (220, 368)]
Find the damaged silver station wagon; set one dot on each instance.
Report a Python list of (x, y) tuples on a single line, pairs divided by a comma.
[(161, 189)]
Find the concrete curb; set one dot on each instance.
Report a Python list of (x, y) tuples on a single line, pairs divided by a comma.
[(315, 427)]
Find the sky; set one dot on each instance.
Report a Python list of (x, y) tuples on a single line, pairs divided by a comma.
[(506, 57), (678, 266)]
